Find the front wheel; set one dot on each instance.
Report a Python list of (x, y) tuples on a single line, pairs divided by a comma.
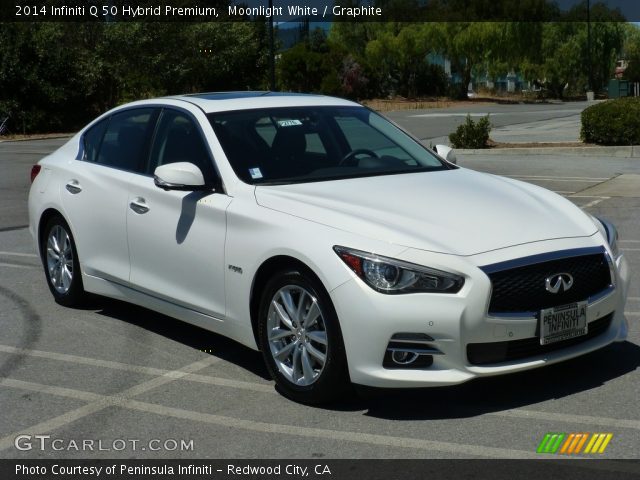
[(61, 264), (300, 339)]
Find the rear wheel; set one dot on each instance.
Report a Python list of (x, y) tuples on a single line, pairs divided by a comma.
[(61, 264), (300, 339)]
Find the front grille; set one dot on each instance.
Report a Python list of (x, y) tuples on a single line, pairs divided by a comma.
[(497, 352), (522, 289)]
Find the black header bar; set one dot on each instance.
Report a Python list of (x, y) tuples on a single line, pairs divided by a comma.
[(318, 10), (321, 469)]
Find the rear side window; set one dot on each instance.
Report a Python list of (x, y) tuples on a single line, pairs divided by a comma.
[(92, 140), (127, 139)]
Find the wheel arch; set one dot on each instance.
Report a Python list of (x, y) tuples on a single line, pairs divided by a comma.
[(266, 270), (47, 215)]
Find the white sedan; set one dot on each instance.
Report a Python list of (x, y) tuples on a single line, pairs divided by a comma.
[(313, 229)]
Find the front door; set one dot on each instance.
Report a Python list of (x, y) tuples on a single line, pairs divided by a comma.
[(176, 238)]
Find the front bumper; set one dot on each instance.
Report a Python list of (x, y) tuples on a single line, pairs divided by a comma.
[(369, 319)]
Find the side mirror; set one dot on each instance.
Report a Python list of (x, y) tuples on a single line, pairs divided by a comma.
[(179, 176), (447, 153)]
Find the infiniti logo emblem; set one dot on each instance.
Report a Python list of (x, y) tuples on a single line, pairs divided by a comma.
[(559, 282)]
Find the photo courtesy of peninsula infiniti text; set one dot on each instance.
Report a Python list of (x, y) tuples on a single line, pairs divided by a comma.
[(315, 230)]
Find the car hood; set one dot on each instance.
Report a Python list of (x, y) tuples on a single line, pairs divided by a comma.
[(460, 212)]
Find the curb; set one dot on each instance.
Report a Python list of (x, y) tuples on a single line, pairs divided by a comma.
[(36, 137), (617, 152)]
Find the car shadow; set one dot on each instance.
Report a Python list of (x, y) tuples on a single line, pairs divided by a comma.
[(477, 397), (184, 333), (188, 214), (505, 392)]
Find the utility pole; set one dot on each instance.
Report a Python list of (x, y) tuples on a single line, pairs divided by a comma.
[(590, 66), (272, 53)]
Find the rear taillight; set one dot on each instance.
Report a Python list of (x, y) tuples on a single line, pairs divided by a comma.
[(35, 170)]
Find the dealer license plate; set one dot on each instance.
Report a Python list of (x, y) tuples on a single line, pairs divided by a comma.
[(563, 322)]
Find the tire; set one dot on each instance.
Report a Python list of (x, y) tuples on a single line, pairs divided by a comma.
[(304, 352), (61, 265)]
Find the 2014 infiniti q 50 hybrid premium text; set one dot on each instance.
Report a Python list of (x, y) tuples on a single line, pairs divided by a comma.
[(315, 230)]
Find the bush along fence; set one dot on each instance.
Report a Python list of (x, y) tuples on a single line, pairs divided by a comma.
[(614, 122)]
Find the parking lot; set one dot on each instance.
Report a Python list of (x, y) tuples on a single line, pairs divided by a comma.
[(117, 373)]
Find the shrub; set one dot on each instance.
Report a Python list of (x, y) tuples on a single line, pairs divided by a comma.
[(614, 122), (471, 134)]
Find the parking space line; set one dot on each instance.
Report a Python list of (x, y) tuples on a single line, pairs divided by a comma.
[(588, 196), (18, 254), (630, 249), (15, 265), (51, 390), (550, 177), (100, 403), (558, 179), (123, 401), (570, 418), (327, 434), (53, 423), (193, 377), (335, 435), (628, 241), (180, 375), (595, 202), (83, 360)]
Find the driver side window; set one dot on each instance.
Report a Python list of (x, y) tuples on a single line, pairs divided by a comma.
[(179, 140)]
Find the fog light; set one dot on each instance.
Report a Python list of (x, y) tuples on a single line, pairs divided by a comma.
[(404, 358), (409, 351)]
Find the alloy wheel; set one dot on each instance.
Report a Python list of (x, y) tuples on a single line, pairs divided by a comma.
[(297, 335), (60, 259)]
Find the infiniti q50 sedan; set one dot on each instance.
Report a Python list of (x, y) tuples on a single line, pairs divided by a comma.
[(316, 231)]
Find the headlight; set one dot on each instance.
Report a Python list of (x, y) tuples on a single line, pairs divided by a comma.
[(387, 275), (611, 233)]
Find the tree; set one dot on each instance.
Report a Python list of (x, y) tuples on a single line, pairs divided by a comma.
[(397, 58), (41, 85), (564, 56), (631, 52), (310, 64), (468, 45), (57, 76)]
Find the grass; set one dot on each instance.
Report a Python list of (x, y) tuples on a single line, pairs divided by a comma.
[(387, 105), (32, 136)]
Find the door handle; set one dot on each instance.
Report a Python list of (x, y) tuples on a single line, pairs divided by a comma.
[(73, 186), (139, 205)]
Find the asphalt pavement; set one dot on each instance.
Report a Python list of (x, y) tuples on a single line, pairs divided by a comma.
[(511, 123), (115, 372)]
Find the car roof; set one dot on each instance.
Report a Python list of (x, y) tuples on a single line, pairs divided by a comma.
[(211, 102)]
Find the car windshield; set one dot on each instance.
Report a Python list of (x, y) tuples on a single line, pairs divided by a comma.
[(305, 144)]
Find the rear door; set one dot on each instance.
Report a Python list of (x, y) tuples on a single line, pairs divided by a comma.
[(176, 238), (95, 189)]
